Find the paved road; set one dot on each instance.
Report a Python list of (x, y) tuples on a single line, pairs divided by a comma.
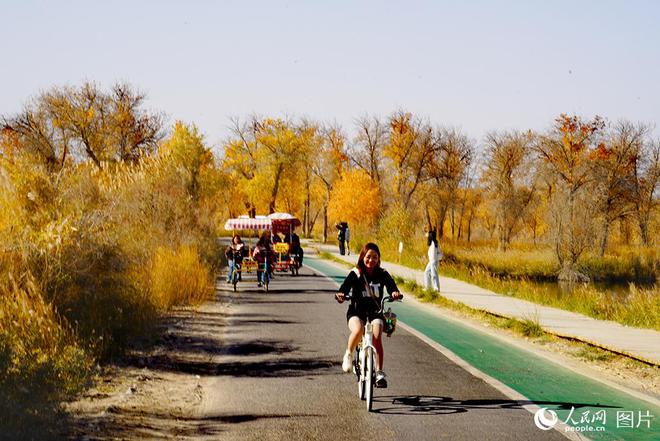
[(279, 377)]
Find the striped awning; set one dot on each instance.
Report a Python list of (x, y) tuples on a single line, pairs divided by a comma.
[(284, 222), (249, 223)]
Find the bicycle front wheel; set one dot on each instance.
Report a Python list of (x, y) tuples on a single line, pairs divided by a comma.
[(369, 378), (360, 375)]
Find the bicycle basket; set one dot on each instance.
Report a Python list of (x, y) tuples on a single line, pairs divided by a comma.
[(390, 322)]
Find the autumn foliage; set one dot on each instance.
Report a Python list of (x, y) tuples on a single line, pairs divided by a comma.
[(355, 199), (103, 227), (107, 219)]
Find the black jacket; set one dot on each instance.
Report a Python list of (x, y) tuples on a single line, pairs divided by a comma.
[(361, 299)]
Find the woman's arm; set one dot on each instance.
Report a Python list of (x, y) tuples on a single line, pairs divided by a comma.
[(345, 287), (390, 284)]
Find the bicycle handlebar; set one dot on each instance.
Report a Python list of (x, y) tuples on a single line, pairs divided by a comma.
[(385, 298), (388, 298)]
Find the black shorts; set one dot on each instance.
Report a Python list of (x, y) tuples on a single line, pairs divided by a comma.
[(355, 310)]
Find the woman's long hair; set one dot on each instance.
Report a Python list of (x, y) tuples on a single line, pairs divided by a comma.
[(264, 240), (430, 238), (368, 246)]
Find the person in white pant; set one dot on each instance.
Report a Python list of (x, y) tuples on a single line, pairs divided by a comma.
[(431, 271)]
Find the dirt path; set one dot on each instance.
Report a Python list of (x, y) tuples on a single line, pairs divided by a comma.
[(156, 392)]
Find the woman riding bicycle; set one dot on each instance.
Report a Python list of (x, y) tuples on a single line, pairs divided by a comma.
[(234, 254), (263, 251), (367, 281)]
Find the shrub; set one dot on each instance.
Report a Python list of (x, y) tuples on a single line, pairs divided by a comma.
[(91, 241), (36, 348), (179, 277)]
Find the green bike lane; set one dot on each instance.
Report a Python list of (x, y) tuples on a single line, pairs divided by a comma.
[(595, 410)]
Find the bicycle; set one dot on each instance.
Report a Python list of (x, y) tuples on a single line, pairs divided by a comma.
[(265, 275), (365, 357), (236, 273), (295, 262)]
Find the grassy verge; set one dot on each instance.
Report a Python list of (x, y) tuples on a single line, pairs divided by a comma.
[(640, 308), (527, 328)]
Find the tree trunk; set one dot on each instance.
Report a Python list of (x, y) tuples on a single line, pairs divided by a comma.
[(325, 223), (606, 233), (569, 273), (276, 188), (469, 228), (451, 219), (304, 220), (568, 261), (428, 219), (460, 218), (626, 233), (643, 231), (310, 222), (441, 222)]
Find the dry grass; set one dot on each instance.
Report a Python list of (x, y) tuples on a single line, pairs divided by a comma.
[(179, 277), (89, 258), (41, 360), (620, 264)]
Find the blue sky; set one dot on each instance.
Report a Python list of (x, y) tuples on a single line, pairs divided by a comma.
[(478, 65)]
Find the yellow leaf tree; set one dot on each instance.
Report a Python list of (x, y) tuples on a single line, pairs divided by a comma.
[(264, 155), (328, 165), (355, 199), (75, 124), (186, 150), (411, 146), (566, 152)]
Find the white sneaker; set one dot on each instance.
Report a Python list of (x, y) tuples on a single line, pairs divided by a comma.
[(347, 363), (381, 381)]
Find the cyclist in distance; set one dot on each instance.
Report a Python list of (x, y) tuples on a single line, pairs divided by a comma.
[(367, 281), (234, 255), (262, 251)]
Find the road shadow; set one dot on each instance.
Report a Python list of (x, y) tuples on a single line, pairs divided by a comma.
[(137, 424), (277, 367), (258, 348), (432, 405), (307, 291), (184, 349), (274, 288), (265, 321), (254, 301)]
